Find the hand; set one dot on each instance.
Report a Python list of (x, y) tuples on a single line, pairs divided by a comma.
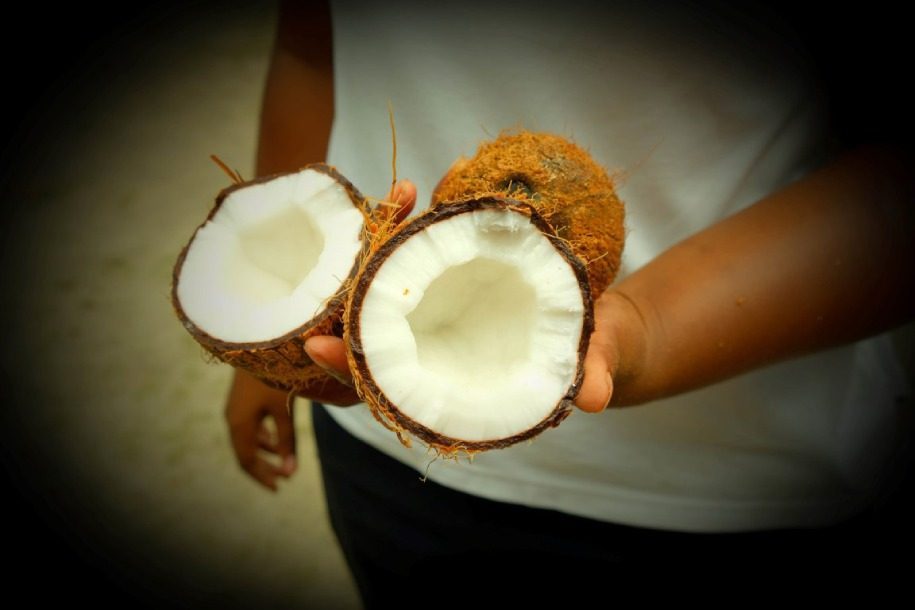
[(248, 408), (328, 351), (618, 329), (619, 332), (773, 281), (616, 318)]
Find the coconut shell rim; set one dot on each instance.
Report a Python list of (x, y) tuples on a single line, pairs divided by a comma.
[(441, 442), (333, 303)]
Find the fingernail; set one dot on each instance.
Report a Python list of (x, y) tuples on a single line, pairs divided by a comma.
[(311, 354), (339, 377), (289, 464), (610, 389), (317, 359)]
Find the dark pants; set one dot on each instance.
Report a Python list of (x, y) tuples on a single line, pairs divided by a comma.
[(405, 538)]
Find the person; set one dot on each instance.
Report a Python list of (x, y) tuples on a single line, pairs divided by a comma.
[(744, 331)]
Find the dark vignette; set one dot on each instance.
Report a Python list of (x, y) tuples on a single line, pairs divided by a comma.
[(72, 52)]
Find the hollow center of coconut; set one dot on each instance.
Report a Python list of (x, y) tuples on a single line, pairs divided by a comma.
[(471, 327), (270, 258)]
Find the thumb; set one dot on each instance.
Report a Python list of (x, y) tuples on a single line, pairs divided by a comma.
[(597, 386)]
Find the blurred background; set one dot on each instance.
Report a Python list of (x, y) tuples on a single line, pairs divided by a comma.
[(120, 481), (114, 440)]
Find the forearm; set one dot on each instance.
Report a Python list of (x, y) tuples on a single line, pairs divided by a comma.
[(296, 113), (298, 103), (826, 261)]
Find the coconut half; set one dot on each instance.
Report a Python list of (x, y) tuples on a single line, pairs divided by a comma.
[(266, 270), (469, 326)]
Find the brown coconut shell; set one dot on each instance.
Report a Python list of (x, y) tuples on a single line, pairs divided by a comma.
[(281, 363), (387, 412), (570, 190)]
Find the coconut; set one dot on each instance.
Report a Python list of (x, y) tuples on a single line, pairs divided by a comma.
[(572, 192), (468, 326), (268, 269)]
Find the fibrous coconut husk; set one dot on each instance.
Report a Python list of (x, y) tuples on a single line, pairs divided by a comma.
[(282, 362), (382, 246), (570, 190)]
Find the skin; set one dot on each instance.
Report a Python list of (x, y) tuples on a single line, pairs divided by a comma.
[(295, 123), (824, 262)]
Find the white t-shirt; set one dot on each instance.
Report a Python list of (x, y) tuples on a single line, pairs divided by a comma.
[(701, 119)]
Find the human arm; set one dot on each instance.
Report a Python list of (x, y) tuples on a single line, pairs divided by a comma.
[(295, 122), (825, 261), (297, 110)]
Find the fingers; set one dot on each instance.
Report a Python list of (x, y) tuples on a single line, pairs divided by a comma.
[(266, 439), (329, 353), (335, 393), (285, 442), (597, 387), (403, 195), (250, 407), (248, 437), (264, 472)]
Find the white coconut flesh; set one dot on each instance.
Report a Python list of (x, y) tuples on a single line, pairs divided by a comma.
[(472, 326), (270, 258)]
